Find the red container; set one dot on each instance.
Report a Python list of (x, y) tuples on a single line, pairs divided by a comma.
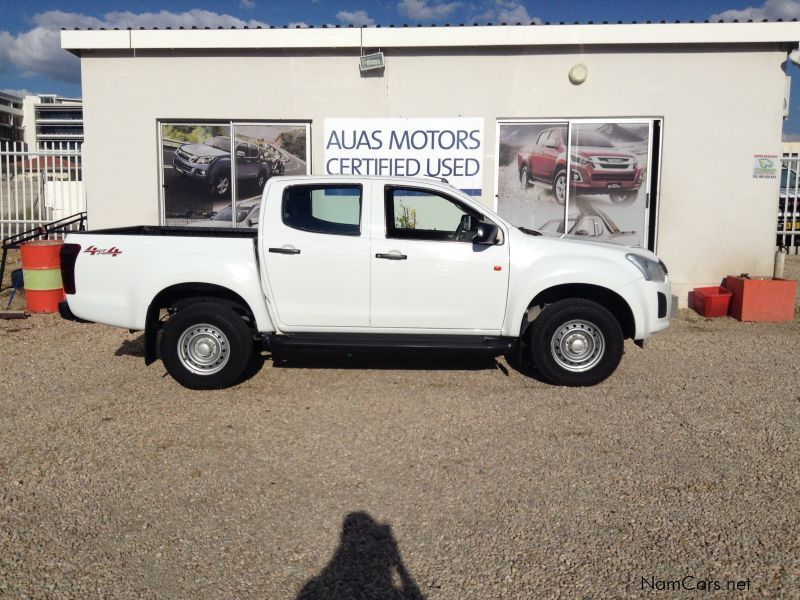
[(762, 298), (712, 301)]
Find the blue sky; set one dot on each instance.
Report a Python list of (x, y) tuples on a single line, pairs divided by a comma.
[(31, 59)]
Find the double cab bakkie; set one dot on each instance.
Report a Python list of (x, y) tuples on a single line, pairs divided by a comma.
[(371, 262)]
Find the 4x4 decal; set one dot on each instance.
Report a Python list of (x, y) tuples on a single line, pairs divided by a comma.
[(94, 250)]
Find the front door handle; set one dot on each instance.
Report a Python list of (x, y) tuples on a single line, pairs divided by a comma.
[(284, 250), (391, 256)]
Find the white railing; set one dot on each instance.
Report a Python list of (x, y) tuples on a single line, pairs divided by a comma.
[(788, 234), (38, 186)]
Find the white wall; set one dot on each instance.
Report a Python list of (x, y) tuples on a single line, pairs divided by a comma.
[(720, 107)]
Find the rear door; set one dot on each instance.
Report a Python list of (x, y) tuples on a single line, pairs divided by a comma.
[(426, 272), (317, 254)]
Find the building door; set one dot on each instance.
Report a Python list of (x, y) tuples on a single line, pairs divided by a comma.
[(581, 170)]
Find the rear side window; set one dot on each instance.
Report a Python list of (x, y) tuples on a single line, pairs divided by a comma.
[(328, 209)]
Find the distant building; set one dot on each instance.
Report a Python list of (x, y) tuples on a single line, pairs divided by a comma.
[(10, 118), (50, 119)]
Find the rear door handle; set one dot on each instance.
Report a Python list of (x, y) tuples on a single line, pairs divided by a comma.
[(284, 250), (391, 256)]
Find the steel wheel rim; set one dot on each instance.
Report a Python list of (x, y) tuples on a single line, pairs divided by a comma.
[(561, 185), (222, 185), (203, 349), (578, 346)]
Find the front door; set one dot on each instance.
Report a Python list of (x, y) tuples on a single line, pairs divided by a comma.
[(427, 273), (317, 257)]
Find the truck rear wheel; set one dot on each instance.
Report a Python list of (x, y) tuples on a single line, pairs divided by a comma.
[(576, 342), (206, 346)]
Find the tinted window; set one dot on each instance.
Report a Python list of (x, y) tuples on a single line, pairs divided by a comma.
[(331, 209), (542, 139), (591, 138), (425, 215)]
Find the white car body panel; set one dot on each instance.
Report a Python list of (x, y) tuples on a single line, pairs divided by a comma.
[(337, 285), (117, 290)]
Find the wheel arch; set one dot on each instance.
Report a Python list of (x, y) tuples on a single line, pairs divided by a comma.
[(605, 297), (182, 295)]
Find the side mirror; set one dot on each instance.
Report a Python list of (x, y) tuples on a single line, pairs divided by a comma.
[(240, 153), (487, 234)]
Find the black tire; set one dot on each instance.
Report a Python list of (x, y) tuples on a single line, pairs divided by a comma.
[(220, 185), (228, 338), (623, 197), (591, 327), (560, 186), (524, 178)]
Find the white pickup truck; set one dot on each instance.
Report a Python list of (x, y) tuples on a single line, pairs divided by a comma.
[(366, 262)]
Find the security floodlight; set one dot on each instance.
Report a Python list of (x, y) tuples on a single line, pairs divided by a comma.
[(372, 62)]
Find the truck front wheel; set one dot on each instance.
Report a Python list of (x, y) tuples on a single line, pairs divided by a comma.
[(220, 185), (560, 186), (576, 342), (524, 181), (206, 346)]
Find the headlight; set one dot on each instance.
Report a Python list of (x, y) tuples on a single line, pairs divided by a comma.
[(203, 160), (579, 159), (651, 269)]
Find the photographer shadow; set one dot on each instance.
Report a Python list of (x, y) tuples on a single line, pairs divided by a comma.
[(367, 564)]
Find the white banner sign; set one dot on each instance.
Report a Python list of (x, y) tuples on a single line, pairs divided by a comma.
[(451, 148)]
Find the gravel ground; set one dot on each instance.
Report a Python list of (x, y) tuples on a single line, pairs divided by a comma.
[(441, 475)]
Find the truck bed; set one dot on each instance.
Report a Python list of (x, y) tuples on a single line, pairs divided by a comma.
[(174, 231)]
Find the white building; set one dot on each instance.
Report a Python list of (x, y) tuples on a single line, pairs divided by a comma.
[(671, 133), (10, 118), (51, 120)]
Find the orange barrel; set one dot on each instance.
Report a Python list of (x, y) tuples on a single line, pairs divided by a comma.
[(41, 272)]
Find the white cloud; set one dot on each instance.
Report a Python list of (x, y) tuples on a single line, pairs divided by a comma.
[(506, 11), (21, 93), (356, 17), (421, 10), (39, 52), (247, 4), (6, 42), (771, 9)]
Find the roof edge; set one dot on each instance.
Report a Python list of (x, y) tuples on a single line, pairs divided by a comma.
[(420, 37)]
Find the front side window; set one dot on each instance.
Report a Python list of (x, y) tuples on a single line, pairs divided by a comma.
[(328, 209), (424, 215)]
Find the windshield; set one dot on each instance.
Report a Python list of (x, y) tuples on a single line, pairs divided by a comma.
[(219, 142), (225, 214), (591, 138)]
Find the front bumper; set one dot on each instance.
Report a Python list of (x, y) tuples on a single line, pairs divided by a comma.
[(587, 178), (190, 169), (651, 302)]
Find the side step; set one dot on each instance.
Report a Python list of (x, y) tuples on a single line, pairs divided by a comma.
[(393, 340)]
